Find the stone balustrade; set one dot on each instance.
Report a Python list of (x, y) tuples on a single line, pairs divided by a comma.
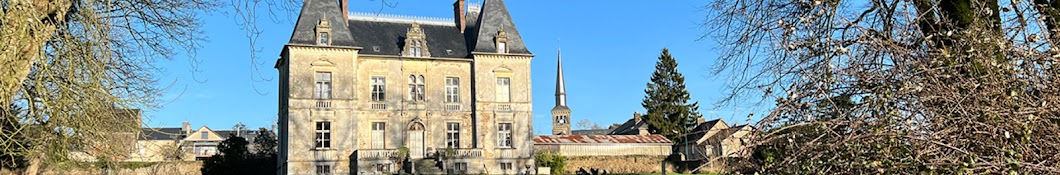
[(376, 154)]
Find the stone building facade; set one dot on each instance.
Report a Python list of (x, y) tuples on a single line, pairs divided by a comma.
[(360, 92)]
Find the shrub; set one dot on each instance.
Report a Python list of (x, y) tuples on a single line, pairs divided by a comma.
[(556, 162)]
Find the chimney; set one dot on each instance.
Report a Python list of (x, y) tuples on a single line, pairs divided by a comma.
[(345, 11), (458, 14), (186, 127), (636, 117)]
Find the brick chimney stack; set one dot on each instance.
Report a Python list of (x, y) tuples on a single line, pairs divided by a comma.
[(636, 117), (186, 127), (458, 14), (345, 11)]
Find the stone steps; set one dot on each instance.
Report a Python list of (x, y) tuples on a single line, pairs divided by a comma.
[(427, 166)]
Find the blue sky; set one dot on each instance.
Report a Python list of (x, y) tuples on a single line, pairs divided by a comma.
[(609, 51)]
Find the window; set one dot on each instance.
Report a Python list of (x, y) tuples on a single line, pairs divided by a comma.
[(452, 135), (378, 137), (378, 88), (460, 167), (323, 134), (506, 166), (323, 169), (416, 89), (382, 167), (416, 49), (323, 85), (205, 135), (504, 132), (324, 38), (452, 89), (502, 47), (504, 89)]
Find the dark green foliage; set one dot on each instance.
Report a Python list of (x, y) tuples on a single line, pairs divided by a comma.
[(265, 143), (236, 158), (556, 162), (666, 100)]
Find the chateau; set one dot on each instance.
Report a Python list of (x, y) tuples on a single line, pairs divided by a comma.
[(359, 92)]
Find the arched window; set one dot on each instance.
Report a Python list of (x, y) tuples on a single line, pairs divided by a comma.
[(416, 88)]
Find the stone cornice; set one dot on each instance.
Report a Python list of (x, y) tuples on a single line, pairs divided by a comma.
[(323, 47), (501, 54), (425, 58)]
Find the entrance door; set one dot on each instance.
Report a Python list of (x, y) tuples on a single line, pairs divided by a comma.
[(416, 141)]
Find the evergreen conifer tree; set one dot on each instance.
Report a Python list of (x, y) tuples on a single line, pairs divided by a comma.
[(666, 100)]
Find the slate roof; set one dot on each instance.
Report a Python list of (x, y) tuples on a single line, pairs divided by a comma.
[(162, 134), (600, 139), (390, 38), (702, 129), (494, 16), (312, 10), (631, 127)]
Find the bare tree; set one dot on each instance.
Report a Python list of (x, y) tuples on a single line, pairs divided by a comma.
[(587, 124), (896, 87)]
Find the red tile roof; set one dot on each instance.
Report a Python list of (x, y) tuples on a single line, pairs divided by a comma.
[(601, 139)]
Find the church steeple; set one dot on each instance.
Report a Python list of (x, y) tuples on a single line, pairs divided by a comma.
[(560, 113), (561, 90)]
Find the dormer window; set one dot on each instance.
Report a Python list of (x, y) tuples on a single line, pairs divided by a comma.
[(323, 32), (501, 41), (415, 42)]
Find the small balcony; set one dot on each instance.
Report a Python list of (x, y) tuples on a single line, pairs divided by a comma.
[(324, 104), (508, 153), (504, 107), (378, 106), (452, 107)]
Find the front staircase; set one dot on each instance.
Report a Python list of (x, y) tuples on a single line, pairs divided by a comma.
[(427, 166)]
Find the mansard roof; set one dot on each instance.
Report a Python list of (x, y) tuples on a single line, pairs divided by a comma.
[(492, 18), (312, 11), (388, 32)]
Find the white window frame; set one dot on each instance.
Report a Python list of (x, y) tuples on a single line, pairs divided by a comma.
[(452, 89), (416, 88), (324, 38), (452, 134), (322, 134), (378, 135), (502, 47), (504, 89), (377, 86), (323, 85), (504, 135)]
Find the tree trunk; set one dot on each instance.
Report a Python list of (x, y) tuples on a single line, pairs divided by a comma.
[(27, 26)]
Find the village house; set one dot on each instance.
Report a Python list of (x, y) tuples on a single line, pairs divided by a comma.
[(712, 143), (364, 92), (627, 148)]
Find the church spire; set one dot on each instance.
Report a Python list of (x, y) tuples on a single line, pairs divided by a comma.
[(561, 90)]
